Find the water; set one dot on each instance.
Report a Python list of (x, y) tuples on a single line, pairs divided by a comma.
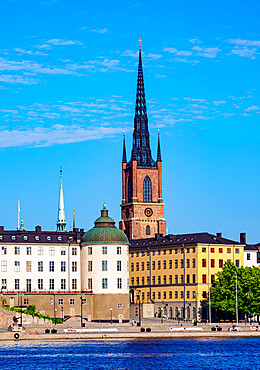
[(139, 354)]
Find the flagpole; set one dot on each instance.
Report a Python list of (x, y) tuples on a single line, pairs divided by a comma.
[(18, 220)]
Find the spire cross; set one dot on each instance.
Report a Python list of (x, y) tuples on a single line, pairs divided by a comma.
[(140, 41)]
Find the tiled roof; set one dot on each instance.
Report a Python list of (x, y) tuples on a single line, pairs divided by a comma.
[(187, 239)]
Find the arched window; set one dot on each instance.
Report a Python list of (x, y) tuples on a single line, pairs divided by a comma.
[(170, 313), (148, 230), (129, 190), (188, 312), (147, 189), (194, 313)]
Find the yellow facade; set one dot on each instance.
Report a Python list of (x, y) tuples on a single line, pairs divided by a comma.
[(179, 275)]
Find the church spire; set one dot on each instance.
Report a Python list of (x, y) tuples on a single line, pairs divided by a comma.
[(124, 160), (61, 222), (159, 156), (141, 142)]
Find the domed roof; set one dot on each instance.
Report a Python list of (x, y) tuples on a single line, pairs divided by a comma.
[(105, 231)]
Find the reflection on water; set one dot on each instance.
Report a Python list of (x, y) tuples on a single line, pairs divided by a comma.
[(163, 354)]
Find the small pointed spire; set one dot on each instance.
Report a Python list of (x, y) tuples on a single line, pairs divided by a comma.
[(124, 160), (61, 222), (134, 153), (159, 156), (74, 219)]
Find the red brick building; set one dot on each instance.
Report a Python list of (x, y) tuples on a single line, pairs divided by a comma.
[(142, 203)]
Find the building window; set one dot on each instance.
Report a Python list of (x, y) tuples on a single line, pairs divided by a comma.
[(147, 189), (104, 265), (181, 263), (137, 254), (153, 280), (159, 295), (28, 250), (212, 250), (89, 251), (137, 281), (137, 266), (119, 283), (148, 231), (164, 264), (181, 294), (90, 266), (119, 266), (193, 278), (176, 279), (159, 280), (51, 251), (16, 266), (164, 279), (188, 279), (212, 279), (84, 301), (204, 250), (248, 256), (213, 263), (132, 281), (63, 284), (63, 251), (188, 296), (51, 284), (164, 295), (170, 264), (153, 295), (4, 284), (204, 294), (147, 265), (72, 301), (228, 250), (176, 263), (237, 263), (74, 266), (176, 251), (204, 279), (182, 279), (3, 250), (63, 266), (74, 284), (176, 294), (159, 265), (40, 266), (220, 263), (51, 266), (220, 250), (16, 250), (170, 295), (142, 266), (90, 284), (170, 279), (74, 251), (104, 250), (188, 263), (40, 284), (142, 280), (40, 251), (60, 301), (28, 266), (104, 283), (193, 263), (204, 262), (237, 250), (16, 284), (28, 285), (26, 301), (159, 252), (148, 280), (153, 265), (119, 250), (132, 266)]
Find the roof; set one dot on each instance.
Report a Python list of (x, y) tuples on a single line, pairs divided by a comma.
[(180, 239), (38, 236), (251, 247)]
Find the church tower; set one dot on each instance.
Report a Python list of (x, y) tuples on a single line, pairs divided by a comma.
[(142, 203)]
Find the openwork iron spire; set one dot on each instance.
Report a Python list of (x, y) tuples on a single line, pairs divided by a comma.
[(124, 160), (141, 151)]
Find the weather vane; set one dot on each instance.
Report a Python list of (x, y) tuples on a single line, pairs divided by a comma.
[(140, 41)]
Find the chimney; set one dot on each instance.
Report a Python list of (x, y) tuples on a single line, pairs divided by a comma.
[(81, 230), (219, 235), (1, 228), (243, 238), (38, 229)]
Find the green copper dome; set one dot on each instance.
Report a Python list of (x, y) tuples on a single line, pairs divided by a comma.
[(105, 231)]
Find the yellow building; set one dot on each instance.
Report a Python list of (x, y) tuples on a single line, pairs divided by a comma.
[(172, 274)]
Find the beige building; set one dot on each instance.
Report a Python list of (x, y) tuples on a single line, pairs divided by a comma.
[(174, 273)]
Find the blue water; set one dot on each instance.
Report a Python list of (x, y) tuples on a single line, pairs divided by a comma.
[(139, 354)]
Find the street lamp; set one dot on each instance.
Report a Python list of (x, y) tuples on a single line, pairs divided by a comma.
[(111, 313), (62, 314), (139, 301), (55, 310)]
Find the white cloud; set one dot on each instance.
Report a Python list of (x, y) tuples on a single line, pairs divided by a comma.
[(219, 102), (195, 41), (57, 134), (130, 53), (244, 42), (177, 52), (64, 42), (206, 52), (252, 108), (15, 79), (153, 56), (159, 76), (244, 52), (100, 30)]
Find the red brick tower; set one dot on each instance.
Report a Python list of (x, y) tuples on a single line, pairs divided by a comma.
[(142, 203)]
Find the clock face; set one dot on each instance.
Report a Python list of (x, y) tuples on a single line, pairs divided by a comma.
[(127, 212), (148, 212)]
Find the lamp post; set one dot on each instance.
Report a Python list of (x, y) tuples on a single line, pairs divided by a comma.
[(111, 315), (55, 310), (162, 311), (139, 301), (62, 314)]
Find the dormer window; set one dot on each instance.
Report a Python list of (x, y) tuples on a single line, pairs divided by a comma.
[(13, 237), (37, 237), (25, 237), (59, 238), (48, 238)]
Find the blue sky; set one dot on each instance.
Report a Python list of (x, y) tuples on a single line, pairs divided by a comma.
[(68, 74)]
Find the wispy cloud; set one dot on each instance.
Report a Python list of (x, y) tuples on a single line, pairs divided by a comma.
[(15, 79), (252, 108), (244, 42), (244, 52), (218, 102), (57, 42), (206, 52), (195, 41), (177, 52), (153, 56), (100, 30)]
